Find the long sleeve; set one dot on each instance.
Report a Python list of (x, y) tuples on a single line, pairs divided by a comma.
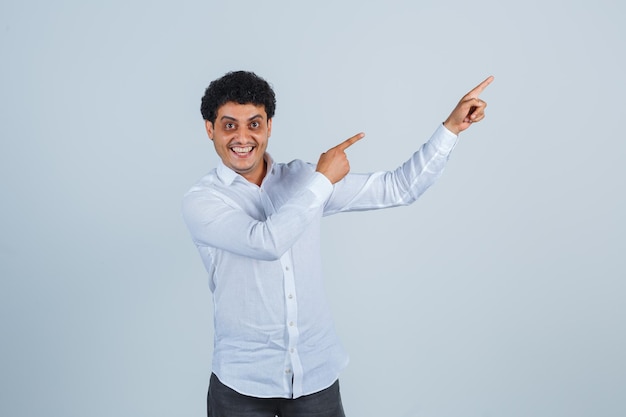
[(402, 186)]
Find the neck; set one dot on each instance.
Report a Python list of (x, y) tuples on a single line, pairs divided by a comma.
[(257, 177)]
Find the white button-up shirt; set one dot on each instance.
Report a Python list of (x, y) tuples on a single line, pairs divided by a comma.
[(274, 335)]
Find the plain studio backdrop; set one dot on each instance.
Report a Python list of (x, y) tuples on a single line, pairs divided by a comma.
[(500, 293)]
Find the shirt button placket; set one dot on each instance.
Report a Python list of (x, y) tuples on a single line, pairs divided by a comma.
[(294, 370)]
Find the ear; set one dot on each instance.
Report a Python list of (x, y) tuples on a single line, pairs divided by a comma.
[(269, 127), (209, 128)]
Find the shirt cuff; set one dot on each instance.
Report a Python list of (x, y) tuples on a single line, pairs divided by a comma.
[(443, 139), (320, 186)]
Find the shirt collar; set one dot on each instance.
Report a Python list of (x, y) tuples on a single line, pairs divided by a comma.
[(227, 175)]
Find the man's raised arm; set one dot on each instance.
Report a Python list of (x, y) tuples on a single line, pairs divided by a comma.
[(334, 163)]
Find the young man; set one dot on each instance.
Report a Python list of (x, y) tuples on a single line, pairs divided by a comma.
[(256, 224)]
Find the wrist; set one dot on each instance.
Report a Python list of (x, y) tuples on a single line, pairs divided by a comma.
[(448, 125)]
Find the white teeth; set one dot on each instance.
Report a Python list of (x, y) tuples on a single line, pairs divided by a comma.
[(240, 149)]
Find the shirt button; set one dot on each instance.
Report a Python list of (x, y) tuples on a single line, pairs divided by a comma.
[(291, 323), (292, 350), (286, 268), (290, 296), (287, 371)]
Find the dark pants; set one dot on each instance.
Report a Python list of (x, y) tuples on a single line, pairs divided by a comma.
[(223, 401)]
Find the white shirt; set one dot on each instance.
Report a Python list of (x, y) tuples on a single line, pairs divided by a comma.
[(274, 335)]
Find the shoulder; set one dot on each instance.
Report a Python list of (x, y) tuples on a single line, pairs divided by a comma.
[(209, 196), (211, 188), (294, 167), (207, 182)]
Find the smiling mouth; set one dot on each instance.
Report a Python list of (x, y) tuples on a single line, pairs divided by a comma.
[(242, 150)]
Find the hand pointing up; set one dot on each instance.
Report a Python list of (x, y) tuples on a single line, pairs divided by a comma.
[(470, 109)]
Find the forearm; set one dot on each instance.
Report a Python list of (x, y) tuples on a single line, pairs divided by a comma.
[(399, 187), (215, 222)]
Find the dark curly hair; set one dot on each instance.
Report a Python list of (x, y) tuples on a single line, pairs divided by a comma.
[(241, 87)]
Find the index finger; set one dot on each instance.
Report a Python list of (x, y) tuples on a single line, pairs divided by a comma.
[(351, 141), (475, 92)]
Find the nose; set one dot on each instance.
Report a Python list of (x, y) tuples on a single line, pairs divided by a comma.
[(243, 133)]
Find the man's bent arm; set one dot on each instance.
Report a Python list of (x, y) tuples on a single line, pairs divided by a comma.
[(217, 222)]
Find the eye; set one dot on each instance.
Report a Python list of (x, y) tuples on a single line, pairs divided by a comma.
[(255, 125), (229, 126)]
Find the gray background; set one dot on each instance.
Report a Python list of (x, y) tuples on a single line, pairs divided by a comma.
[(500, 293)]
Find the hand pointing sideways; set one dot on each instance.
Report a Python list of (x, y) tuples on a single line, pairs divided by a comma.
[(334, 162)]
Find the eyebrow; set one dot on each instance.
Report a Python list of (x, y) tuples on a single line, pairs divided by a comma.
[(256, 116)]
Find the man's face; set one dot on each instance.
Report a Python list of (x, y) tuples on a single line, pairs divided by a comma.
[(240, 135)]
